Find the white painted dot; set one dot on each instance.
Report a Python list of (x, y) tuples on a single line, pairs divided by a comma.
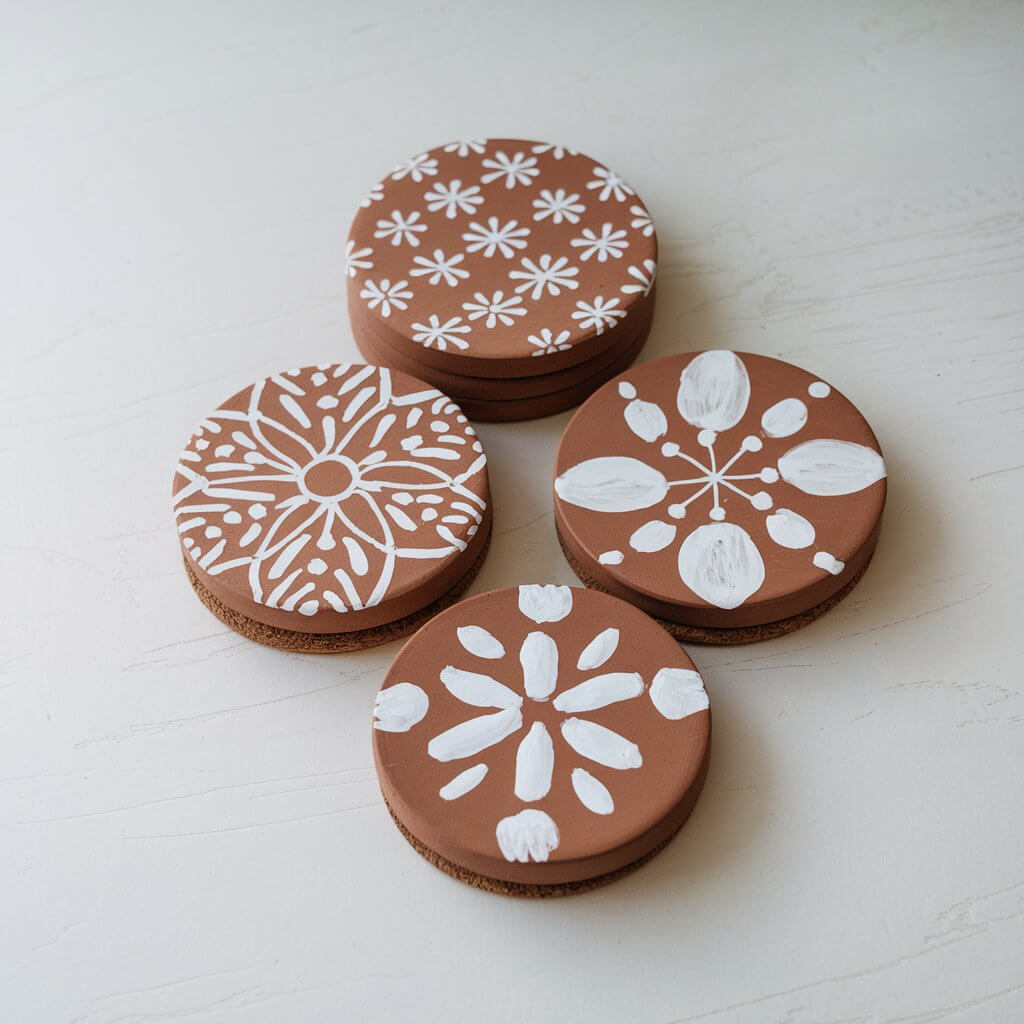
[(769, 475), (670, 449), (460, 418), (257, 511), (403, 498), (327, 402), (626, 389), (762, 500), (471, 532), (326, 543), (706, 438), (317, 566), (717, 513), (232, 517), (319, 379), (677, 511), (428, 515), (309, 607), (477, 447), (439, 426), (414, 441), (752, 444), (828, 562), (255, 458), (212, 532), (188, 542), (224, 451), (819, 389), (610, 558), (194, 552), (202, 444)]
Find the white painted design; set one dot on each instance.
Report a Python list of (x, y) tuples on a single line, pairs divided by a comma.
[(530, 835), (608, 243), (614, 557), (478, 690), (463, 783), (789, 529), (819, 389), (599, 314), (547, 343), (655, 535), (600, 744), (559, 205), (539, 659), (720, 563), (612, 483), (476, 734), (829, 467), (678, 693), (599, 650), (494, 309), (714, 390), (599, 692), (545, 603), (398, 708), (478, 641), (784, 418), (609, 185), (452, 198), (646, 420), (437, 268), (828, 562), (535, 761), (592, 793), (518, 169), (545, 275), (643, 279)]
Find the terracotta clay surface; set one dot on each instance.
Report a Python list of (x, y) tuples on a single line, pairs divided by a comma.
[(540, 736), (473, 257), (720, 490), (332, 499)]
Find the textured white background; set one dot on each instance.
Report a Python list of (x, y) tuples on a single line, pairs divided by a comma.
[(190, 829)]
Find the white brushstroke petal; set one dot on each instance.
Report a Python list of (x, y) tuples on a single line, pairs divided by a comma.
[(398, 708), (463, 782), (476, 734), (827, 561), (678, 692), (599, 744), (528, 835), (612, 483), (784, 418), (477, 689), (714, 390), (548, 603), (599, 692), (720, 563), (646, 420), (539, 658), (599, 650), (789, 529), (593, 793), (535, 761), (653, 536), (828, 467), (478, 641)]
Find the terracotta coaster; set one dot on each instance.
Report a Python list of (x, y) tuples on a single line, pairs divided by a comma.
[(324, 508), (732, 494), (475, 255), (541, 740)]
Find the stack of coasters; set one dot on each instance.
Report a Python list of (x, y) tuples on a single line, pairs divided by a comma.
[(332, 508), (733, 496), (541, 740), (517, 276)]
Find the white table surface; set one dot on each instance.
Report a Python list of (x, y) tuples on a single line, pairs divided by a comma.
[(190, 828)]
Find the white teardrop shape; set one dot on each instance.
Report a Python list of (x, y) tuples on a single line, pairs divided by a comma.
[(539, 658), (612, 483), (784, 418), (829, 467), (463, 782), (599, 692), (789, 529), (714, 390), (720, 563), (678, 692), (828, 562), (547, 603), (599, 650), (476, 734), (646, 420), (478, 641), (535, 761), (602, 745), (477, 689), (528, 835), (653, 536), (398, 708), (593, 793)]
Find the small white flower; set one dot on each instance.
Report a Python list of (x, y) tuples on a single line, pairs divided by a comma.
[(496, 237), (440, 267), (643, 280), (400, 227), (558, 152), (610, 242), (546, 343), (598, 314), (496, 308), (549, 273), (610, 184), (452, 198), (434, 334), (558, 205), (641, 221), (387, 295), (415, 168), (516, 170), (355, 259), (375, 195), (465, 148)]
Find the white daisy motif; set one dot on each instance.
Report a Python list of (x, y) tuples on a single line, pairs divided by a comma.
[(434, 334), (496, 237), (416, 168), (453, 198), (497, 309), (375, 195), (465, 148), (386, 295), (609, 243), (643, 279), (518, 169), (717, 560), (598, 314), (610, 185), (641, 221), (546, 342), (401, 228), (356, 259), (440, 268), (558, 152), (558, 205), (547, 273)]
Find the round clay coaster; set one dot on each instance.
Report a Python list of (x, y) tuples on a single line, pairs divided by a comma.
[(733, 496), (333, 507), (474, 256), (541, 740)]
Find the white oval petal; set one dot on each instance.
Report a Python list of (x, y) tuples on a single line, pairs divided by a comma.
[(720, 563), (478, 641), (789, 529), (599, 650), (828, 467), (477, 689), (593, 794), (602, 745), (612, 483), (468, 738), (548, 603), (463, 782), (535, 761), (646, 420), (600, 691), (398, 708), (714, 390), (678, 692), (528, 835), (539, 658), (784, 418), (653, 536), (827, 561)]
